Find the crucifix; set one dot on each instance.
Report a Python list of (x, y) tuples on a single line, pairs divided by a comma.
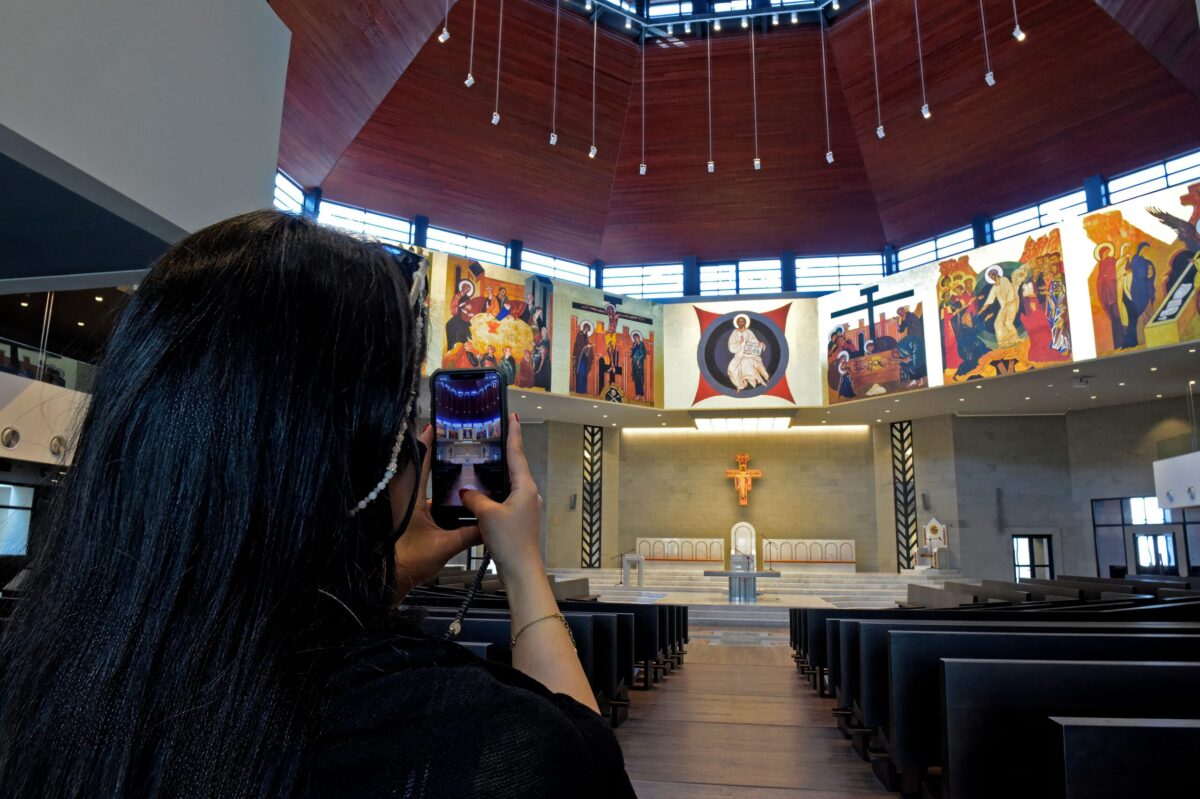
[(743, 478), (869, 305)]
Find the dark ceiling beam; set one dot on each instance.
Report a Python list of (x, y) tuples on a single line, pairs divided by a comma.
[(1168, 29)]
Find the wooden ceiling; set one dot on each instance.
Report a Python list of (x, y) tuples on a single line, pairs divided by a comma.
[(377, 127)]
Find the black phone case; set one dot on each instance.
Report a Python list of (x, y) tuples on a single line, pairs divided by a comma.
[(451, 516)]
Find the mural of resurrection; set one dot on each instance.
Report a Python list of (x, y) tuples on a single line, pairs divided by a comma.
[(1008, 316)]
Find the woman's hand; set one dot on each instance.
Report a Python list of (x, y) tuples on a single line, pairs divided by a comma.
[(423, 548), (512, 529)]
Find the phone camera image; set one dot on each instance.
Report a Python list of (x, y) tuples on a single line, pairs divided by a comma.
[(468, 437)]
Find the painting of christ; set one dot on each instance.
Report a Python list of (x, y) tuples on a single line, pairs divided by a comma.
[(495, 322), (1008, 316)]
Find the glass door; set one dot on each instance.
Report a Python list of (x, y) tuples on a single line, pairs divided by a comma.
[(1156, 553)]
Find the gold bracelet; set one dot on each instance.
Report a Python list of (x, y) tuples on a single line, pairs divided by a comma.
[(559, 616)]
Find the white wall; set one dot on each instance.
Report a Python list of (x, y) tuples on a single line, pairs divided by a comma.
[(173, 105), (38, 411)]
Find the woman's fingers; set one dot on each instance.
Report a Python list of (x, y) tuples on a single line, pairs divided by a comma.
[(426, 438), (518, 467)]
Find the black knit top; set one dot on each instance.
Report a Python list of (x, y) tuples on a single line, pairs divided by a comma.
[(410, 716)]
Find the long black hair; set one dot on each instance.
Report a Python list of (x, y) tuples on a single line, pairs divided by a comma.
[(200, 566)]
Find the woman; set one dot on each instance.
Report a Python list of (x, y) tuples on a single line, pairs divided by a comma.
[(211, 611)]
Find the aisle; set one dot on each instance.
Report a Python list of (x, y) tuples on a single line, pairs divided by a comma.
[(737, 721)]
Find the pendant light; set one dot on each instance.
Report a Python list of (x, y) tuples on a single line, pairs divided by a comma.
[(554, 91), (825, 91), (470, 81), (499, 52), (875, 70), (925, 112)]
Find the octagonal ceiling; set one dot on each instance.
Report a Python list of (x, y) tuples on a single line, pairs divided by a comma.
[(376, 115)]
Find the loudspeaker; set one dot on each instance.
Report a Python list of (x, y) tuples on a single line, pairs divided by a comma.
[(573, 498), (924, 501)]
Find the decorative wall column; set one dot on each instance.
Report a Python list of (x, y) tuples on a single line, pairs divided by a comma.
[(593, 485), (904, 490)]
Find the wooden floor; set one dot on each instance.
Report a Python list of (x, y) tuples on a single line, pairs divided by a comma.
[(738, 722)]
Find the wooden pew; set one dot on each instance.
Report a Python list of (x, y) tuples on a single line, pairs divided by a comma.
[(1106, 758), (1037, 593), (998, 738), (914, 735), (865, 694), (477, 648)]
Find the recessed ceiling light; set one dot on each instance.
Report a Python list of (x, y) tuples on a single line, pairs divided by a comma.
[(614, 424), (606, 416), (1120, 384), (660, 416), (539, 407), (1192, 350), (1093, 396), (1027, 398), (1076, 371), (889, 410), (962, 399), (664, 424), (1153, 368), (979, 386), (79, 323), (524, 396), (895, 400), (99, 298), (24, 304), (878, 420), (595, 406), (823, 421), (1159, 396)]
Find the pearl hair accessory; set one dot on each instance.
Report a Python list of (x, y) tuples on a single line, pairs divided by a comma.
[(416, 298)]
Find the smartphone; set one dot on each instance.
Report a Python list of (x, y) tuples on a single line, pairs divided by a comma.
[(470, 421)]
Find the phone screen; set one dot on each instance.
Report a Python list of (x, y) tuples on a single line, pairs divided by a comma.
[(469, 429)]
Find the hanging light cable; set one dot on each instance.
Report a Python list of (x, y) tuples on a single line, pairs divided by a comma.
[(712, 167), (592, 152), (1018, 34), (554, 92), (470, 81), (642, 165), (444, 36), (825, 92), (754, 99), (989, 77), (925, 112), (875, 69), (499, 51)]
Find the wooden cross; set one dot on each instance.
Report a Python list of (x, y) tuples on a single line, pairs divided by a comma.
[(743, 478)]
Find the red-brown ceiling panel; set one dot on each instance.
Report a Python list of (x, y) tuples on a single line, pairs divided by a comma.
[(1078, 97), (431, 149), (796, 202), (345, 56)]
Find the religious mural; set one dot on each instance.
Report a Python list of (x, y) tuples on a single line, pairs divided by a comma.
[(613, 352), (743, 354), (881, 352), (1143, 282), (494, 321), (1008, 316)]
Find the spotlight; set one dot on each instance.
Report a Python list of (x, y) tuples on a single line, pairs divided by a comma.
[(470, 81), (757, 164), (587, 6), (24, 304), (641, 169), (795, 17), (98, 298), (444, 36), (628, 23), (717, 25), (79, 323), (687, 27), (712, 166), (837, 6), (925, 112), (745, 23), (879, 132), (1018, 34), (592, 152), (990, 78), (829, 157), (774, 19), (495, 117), (670, 30), (553, 139)]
